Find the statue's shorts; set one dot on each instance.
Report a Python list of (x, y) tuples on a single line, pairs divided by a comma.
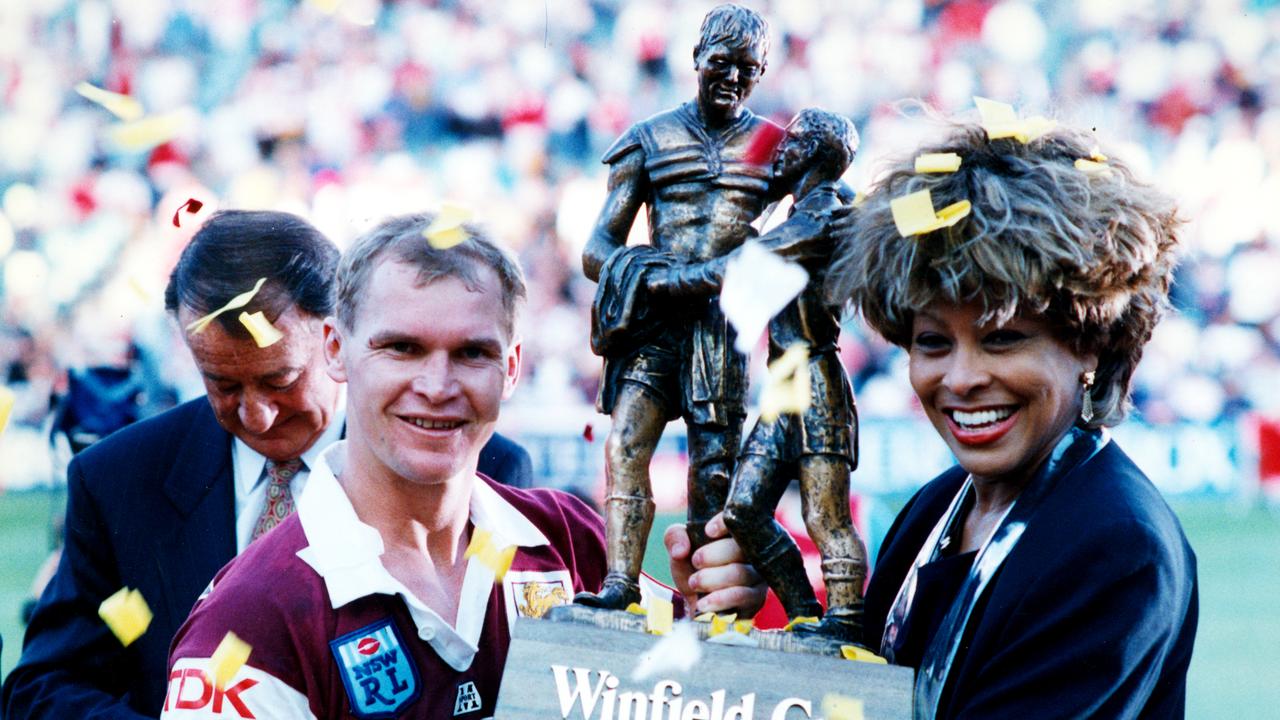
[(827, 427)]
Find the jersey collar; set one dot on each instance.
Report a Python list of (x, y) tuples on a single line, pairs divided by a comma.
[(345, 552)]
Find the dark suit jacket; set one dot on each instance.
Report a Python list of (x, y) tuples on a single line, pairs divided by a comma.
[(1093, 614), (151, 507)]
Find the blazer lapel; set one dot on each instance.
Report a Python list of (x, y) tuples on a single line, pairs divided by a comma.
[(200, 539)]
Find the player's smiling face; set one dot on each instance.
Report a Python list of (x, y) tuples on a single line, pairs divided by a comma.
[(427, 367), (1000, 396)]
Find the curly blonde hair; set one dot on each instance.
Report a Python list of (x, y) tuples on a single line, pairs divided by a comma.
[(1091, 252)]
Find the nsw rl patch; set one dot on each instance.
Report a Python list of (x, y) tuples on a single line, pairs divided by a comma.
[(377, 670)]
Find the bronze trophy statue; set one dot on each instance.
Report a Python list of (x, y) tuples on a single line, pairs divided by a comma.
[(818, 446), (668, 349), (704, 172), (664, 360)]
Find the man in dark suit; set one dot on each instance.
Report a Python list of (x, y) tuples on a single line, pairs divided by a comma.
[(161, 505)]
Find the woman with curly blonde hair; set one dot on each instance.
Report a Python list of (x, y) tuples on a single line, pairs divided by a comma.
[(1043, 575)]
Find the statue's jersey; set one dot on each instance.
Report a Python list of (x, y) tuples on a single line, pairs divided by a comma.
[(829, 425), (334, 635), (809, 319), (702, 193), (702, 196)]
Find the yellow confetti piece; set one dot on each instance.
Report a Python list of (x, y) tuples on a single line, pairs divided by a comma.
[(703, 618), (661, 616), (913, 214), (231, 655), (787, 388), (122, 106), (861, 654), (1001, 121), (235, 303), (7, 399), (136, 286), (994, 112), (802, 620), (446, 230), (1096, 155), (1091, 167), (636, 609), (937, 162), (841, 707), (126, 614), (718, 626), (859, 200), (445, 239), (328, 7), (264, 333), (144, 134), (486, 551), (743, 627)]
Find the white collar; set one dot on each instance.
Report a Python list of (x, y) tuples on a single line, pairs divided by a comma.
[(249, 463), (345, 552)]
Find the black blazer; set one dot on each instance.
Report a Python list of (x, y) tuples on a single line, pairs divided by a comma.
[(1093, 614), (151, 507)]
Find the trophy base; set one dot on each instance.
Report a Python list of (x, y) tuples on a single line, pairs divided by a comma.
[(777, 640), (580, 663)]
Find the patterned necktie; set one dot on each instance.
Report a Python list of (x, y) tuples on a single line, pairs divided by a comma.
[(279, 497)]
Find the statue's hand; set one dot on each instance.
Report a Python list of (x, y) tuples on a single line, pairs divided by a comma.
[(659, 280), (839, 220), (717, 577), (807, 244)]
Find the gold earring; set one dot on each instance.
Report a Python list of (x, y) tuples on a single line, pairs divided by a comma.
[(1086, 407)]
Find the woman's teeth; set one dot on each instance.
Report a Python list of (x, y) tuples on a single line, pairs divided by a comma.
[(981, 417)]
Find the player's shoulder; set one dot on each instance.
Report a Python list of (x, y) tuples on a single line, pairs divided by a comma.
[(274, 603), (547, 507), (268, 580)]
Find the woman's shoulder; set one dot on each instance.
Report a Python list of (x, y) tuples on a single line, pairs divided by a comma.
[(1107, 511), (1115, 492)]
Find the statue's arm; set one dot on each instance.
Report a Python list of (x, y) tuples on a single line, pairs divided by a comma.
[(628, 188), (802, 238)]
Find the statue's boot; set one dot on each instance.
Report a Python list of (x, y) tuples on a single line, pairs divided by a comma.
[(843, 619), (628, 519), (782, 568), (617, 592)]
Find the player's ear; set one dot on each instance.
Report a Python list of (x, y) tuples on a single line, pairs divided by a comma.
[(512, 361), (333, 341)]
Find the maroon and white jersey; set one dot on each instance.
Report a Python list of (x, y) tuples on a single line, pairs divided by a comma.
[(334, 635)]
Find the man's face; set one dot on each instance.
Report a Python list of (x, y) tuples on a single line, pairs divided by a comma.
[(726, 77), (277, 399), (426, 367)]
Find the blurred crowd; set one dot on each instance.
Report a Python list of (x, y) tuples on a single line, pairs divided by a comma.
[(346, 111)]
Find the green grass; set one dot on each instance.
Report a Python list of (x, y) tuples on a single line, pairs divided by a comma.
[(24, 545), (1235, 670)]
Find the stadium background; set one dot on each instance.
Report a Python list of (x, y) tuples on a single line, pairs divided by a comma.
[(346, 111)]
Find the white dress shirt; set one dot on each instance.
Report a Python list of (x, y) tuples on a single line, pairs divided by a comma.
[(249, 468)]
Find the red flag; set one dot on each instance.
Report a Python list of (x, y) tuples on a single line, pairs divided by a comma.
[(763, 143)]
